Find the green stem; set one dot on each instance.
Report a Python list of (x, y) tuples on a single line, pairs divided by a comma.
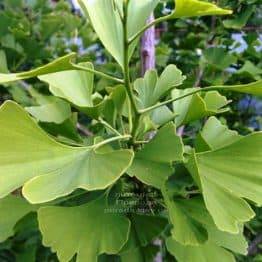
[(140, 32), (210, 88), (109, 126), (110, 140), (120, 81), (126, 73)]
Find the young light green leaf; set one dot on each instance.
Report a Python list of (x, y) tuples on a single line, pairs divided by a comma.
[(12, 209), (60, 64), (227, 175), (151, 88), (33, 154), (84, 230), (152, 164), (195, 106), (215, 135), (203, 253), (56, 111), (190, 8), (74, 85)]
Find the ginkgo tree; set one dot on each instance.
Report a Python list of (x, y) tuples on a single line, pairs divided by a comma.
[(196, 195)]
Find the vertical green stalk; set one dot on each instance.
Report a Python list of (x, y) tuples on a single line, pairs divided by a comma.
[(126, 74)]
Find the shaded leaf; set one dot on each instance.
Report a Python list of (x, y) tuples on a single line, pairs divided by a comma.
[(12, 209), (83, 230)]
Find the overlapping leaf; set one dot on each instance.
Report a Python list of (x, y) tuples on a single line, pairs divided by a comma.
[(195, 106), (190, 8), (207, 252), (55, 111), (152, 88), (12, 209), (227, 175), (37, 159), (193, 226), (60, 64), (86, 231), (152, 164), (105, 16), (144, 229)]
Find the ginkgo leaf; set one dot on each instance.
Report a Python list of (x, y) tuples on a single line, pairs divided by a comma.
[(12, 209), (105, 16), (144, 229), (56, 111), (153, 164), (83, 230), (203, 253), (193, 225), (227, 175), (152, 88), (254, 88), (186, 229), (33, 154), (60, 64), (190, 8), (215, 135), (195, 106), (142, 254), (74, 85)]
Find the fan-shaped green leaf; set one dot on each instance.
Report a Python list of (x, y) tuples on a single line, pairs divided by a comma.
[(83, 230), (152, 164), (56, 111), (189, 8), (33, 154), (227, 175), (105, 16), (203, 253), (144, 229), (60, 64), (12, 209), (193, 226), (151, 88), (195, 107), (215, 135)]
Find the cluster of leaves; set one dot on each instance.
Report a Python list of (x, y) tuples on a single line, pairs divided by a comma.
[(133, 180)]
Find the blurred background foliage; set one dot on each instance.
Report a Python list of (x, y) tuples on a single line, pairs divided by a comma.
[(209, 51)]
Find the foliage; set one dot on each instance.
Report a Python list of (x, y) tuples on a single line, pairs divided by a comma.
[(133, 180)]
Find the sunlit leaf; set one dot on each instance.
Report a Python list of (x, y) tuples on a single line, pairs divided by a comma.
[(189, 8), (228, 174), (43, 163), (60, 64)]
